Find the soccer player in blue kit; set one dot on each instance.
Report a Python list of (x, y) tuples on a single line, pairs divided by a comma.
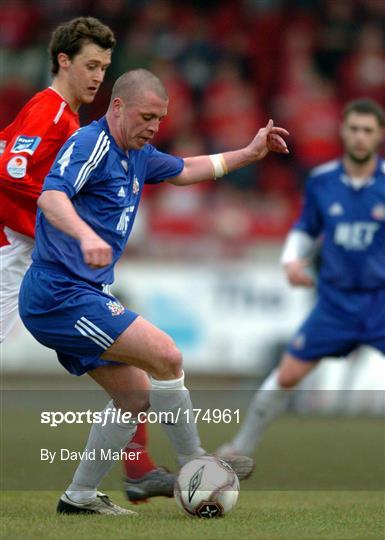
[(344, 207), (86, 213)]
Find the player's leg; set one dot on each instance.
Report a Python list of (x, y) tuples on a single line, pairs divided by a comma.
[(15, 258), (114, 435), (149, 348), (268, 402), (146, 346), (144, 479), (326, 332)]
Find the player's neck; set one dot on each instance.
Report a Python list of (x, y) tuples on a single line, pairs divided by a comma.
[(61, 88), (363, 171)]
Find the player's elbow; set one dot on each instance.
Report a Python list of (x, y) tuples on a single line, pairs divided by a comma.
[(49, 199), (42, 201)]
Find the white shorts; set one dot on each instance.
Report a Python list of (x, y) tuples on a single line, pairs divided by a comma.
[(15, 259)]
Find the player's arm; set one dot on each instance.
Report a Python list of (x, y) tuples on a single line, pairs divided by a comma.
[(199, 168), (296, 258), (77, 163), (302, 242), (60, 212)]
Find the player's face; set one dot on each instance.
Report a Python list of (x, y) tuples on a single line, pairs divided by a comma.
[(86, 72), (139, 122), (361, 135)]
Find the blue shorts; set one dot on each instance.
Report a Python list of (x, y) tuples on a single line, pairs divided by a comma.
[(339, 323), (75, 318)]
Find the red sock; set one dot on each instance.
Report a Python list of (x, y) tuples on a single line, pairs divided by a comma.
[(137, 468)]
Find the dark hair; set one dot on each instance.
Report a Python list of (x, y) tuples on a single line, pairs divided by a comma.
[(365, 106), (69, 37)]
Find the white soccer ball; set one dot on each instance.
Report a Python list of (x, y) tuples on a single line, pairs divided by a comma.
[(206, 487)]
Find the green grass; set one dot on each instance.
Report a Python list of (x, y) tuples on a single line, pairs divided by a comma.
[(258, 515), (315, 478)]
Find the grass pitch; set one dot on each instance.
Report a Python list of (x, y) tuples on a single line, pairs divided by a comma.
[(315, 478), (261, 515)]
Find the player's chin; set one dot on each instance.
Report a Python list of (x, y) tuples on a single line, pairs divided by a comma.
[(140, 142), (89, 97)]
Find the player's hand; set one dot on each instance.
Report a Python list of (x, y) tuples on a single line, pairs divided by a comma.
[(270, 138), (96, 252), (297, 273)]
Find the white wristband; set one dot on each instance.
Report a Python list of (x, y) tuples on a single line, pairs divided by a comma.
[(298, 245), (219, 165)]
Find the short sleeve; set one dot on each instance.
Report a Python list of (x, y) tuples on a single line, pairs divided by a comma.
[(80, 157), (161, 166)]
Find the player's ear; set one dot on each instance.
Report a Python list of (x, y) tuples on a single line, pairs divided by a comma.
[(117, 106), (63, 60)]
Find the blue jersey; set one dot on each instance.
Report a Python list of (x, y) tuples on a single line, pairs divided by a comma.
[(104, 184), (352, 225)]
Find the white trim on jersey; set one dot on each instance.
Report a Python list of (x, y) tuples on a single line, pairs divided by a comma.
[(100, 149), (60, 112), (327, 167), (90, 330)]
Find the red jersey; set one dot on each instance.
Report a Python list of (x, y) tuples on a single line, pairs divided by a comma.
[(28, 148)]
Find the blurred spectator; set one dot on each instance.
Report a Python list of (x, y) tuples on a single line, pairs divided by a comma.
[(230, 109), (19, 20), (363, 72), (228, 66), (335, 35)]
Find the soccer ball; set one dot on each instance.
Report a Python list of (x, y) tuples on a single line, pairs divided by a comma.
[(206, 487)]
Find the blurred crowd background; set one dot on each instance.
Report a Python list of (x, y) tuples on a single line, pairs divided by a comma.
[(228, 67)]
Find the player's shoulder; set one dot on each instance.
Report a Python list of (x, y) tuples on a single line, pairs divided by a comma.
[(91, 143), (381, 166), (48, 104), (325, 169), (92, 135)]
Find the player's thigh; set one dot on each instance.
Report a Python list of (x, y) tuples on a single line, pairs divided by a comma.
[(292, 370), (145, 346), (128, 386), (15, 258)]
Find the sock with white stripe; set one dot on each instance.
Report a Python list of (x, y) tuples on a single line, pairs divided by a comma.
[(269, 401), (173, 397), (113, 436)]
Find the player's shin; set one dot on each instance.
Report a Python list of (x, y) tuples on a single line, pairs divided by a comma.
[(171, 400), (143, 464), (105, 439), (269, 401)]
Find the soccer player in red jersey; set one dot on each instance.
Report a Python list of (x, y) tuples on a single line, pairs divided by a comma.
[(80, 52)]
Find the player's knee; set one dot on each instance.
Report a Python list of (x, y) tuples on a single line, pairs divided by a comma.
[(169, 365), (287, 380)]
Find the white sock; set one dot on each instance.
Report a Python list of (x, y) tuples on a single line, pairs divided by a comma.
[(113, 436), (269, 401), (172, 396)]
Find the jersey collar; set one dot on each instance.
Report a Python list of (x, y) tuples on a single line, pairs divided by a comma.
[(104, 125), (348, 181)]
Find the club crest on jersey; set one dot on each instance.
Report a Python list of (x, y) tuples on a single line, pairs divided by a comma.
[(115, 307), (378, 212), (135, 185), (336, 209), (17, 167), (25, 144)]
